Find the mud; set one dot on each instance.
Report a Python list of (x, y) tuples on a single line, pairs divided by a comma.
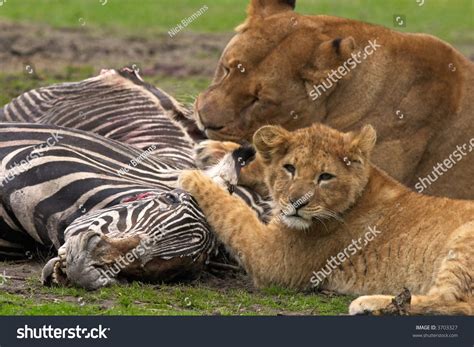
[(45, 48)]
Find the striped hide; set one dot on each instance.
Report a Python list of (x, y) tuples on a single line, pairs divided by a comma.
[(52, 176), (116, 105)]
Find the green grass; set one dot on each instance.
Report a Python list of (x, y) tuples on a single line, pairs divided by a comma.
[(450, 20), (143, 299), (183, 89)]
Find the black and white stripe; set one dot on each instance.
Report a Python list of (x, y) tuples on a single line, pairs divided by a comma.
[(116, 105), (78, 174), (173, 220)]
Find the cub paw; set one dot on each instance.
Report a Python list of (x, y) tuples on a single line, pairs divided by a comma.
[(209, 152), (383, 304), (370, 304)]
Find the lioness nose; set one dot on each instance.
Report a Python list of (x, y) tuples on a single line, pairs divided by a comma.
[(208, 114)]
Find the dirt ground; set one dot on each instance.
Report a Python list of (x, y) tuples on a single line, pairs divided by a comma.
[(23, 276), (46, 48), (43, 47)]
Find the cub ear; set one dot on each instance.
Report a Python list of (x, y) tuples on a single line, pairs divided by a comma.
[(362, 142), (266, 8), (269, 140)]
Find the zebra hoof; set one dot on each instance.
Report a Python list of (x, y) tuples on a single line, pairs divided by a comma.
[(52, 273)]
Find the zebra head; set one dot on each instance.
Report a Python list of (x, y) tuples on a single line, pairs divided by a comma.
[(149, 236)]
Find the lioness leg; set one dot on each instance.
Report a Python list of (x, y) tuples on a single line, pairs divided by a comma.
[(452, 292)]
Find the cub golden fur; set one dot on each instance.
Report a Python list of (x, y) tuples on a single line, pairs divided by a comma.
[(423, 243)]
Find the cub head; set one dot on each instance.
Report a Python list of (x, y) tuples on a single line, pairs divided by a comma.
[(316, 172), (267, 72)]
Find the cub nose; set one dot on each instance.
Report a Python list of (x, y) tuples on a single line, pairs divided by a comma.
[(298, 202)]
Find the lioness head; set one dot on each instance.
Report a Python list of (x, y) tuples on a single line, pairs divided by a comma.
[(267, 72), (315, 172)]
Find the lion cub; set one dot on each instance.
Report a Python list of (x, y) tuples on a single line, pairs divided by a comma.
[(327, 196)]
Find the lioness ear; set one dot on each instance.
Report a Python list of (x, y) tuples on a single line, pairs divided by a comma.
[(334, 54), (266, 8), (269, 140), (363, 141), (337, 49)]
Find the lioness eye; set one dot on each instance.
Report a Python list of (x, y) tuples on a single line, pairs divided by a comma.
[(325, 177), (290, 168)]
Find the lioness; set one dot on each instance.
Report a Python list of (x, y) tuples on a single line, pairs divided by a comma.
[(293, 70), (327, 195)]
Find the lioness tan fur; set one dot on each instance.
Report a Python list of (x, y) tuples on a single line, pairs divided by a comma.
[(333, 205), (416, 90)]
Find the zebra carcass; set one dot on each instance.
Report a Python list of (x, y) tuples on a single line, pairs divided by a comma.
[(97, 200), (73, 196)]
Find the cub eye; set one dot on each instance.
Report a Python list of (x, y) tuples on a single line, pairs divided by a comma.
[(325, 177), (290, 168)]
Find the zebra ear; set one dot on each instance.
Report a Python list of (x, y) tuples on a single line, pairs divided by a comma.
[(266, 8), (269, 140)]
